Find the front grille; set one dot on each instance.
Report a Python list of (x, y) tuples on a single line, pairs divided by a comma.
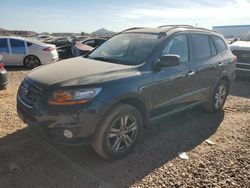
[(243, 56), (29, 93)]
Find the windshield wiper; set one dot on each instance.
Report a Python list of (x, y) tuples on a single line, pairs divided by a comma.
[(103, 59), (116, 61)]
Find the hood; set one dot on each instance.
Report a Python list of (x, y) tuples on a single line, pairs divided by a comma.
[(240, 45), (80, 71)]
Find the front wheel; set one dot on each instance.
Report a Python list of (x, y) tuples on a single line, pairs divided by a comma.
[(218, 97), (118, 134)]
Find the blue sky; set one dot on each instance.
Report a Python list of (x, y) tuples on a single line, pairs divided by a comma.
[(116, 15)]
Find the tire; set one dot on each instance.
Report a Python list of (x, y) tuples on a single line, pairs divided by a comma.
[(31, 62), (2, 87), (218, 97), (119, 132)]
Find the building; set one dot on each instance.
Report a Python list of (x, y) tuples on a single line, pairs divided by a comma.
[(232, 31)]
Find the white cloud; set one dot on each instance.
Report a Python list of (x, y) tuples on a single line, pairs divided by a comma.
[(236, 10)]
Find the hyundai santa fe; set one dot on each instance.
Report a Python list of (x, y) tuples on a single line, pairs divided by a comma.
[(139, 75)]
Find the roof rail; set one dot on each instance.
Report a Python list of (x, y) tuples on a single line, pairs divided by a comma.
[(170, 27), (127, 30), (131, 29), (175, 26)]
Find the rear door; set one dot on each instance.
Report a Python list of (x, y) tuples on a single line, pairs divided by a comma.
[(18, 51), (224, 52), (4, 50), (204, 64)]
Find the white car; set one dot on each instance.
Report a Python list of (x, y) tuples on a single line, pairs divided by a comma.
[(17, 51), (241, 49)]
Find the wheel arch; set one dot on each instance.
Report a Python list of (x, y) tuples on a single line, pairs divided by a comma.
[(132, 100), (226, 79), (139, 105)]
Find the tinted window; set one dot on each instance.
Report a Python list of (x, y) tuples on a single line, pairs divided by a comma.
[(17, 46), (178, 46), (246, 37), (99, 42), (212, 46), (4, 46), (201, 46), (90, 43), (220, 44), (29, 44)]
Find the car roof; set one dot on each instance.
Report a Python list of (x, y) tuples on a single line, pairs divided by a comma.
[(168, 29), (26, 39), (13, 37)]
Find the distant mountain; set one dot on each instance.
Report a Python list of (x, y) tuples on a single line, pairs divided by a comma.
[(17, 33), (102, 33)]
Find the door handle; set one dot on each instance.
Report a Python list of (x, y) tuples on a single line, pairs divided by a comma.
[(191, 73), (220, 64)]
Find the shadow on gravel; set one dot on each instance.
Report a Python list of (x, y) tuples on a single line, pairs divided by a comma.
[(240, 87), (15, 68), (162, 142)]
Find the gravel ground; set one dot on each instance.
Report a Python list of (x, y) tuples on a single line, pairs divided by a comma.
[(26, 160)]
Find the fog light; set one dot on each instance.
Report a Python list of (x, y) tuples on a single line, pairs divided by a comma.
[(68, 134)]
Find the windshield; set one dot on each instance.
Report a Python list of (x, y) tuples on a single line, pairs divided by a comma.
[(127, 49), (246, 37)]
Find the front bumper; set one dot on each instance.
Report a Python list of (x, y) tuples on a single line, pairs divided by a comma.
[(242, 69), (3, 78), (81, 122)]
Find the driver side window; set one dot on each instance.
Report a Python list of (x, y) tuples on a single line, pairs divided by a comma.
[(178, 45)]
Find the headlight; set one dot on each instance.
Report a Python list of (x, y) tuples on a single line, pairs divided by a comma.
[(70, 97)]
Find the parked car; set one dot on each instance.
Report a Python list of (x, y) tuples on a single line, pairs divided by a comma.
[(17, 51), (138, 76), (3, 75), (59, 41), (63, 45), (43, 37), (86, 46), (241, 49)]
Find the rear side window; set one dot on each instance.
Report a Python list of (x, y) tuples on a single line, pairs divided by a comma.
[(29, 44), (4, 46), (17, 46), (178, 45), (220, 44), (201, 46), (212, 46)]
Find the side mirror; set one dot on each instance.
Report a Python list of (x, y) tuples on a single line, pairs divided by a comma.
[(169, 60)]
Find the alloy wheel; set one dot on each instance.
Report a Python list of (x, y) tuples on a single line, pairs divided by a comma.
[(220, 96), (122, 133), (31, 62)]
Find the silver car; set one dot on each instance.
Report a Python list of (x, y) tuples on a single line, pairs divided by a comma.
[(17, 51)]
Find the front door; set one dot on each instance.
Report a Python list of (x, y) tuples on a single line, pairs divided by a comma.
[(172, 85)]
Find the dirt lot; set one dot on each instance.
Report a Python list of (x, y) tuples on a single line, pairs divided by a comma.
[(26, 160)]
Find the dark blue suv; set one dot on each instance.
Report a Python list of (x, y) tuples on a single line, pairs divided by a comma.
[(139, 75)]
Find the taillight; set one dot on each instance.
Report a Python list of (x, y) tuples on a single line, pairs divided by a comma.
[(1, 66), (48, 49), (235, 59)]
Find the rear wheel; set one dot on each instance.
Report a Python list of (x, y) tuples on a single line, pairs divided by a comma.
[(31, 62), (218, 97), (118, 134)]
